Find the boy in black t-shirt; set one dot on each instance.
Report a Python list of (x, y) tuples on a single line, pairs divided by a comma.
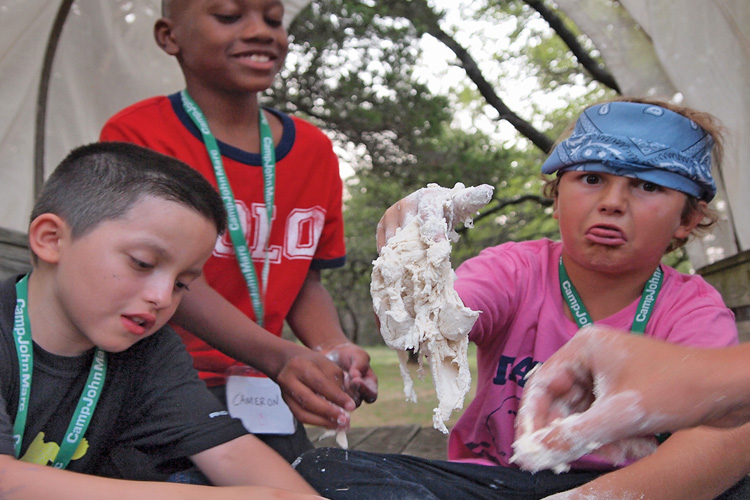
[(86, 362)]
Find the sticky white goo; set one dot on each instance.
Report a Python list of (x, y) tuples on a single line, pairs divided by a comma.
[(340, 433), (531, 454), (341, 438), (412, 292)]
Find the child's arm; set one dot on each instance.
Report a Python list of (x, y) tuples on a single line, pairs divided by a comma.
[(314, 320), (248, 461), (307, 378), (698, 464), (24, 481), (642, 386)]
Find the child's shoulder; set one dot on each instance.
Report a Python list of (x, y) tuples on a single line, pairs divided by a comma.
[(692, 285), (7, 298), (304, 130), (151, 104), (524, 257), (543, 249)]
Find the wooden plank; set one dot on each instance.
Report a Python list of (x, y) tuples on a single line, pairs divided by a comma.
[(411, 439), (731, 277), (428, 443), (389, 439)]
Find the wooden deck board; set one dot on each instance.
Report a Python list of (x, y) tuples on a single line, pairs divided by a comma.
[(428, 443), (402, 439)]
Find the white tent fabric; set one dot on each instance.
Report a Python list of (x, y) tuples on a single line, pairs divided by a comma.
[(106, 59), (704, 47), (700, 50)]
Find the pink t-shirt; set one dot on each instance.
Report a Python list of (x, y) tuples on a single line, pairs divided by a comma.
[(522, 323)]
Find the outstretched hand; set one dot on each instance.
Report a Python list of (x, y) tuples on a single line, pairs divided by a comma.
[(603, 391), (402, 213), (438, 209)]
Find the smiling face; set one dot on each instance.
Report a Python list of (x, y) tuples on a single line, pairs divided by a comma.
[(120, 282), (226, 45), (614, 224)]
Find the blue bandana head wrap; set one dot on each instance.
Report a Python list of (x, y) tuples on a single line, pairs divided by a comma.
[(637, 140)]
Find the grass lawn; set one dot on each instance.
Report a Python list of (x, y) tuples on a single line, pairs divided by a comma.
[(391, 408)]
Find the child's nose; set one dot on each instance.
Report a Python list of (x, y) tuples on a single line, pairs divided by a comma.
[(255, 27), (159, 292), (613, 199)]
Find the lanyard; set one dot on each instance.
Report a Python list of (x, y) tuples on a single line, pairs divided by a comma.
[(236, 233), (86, 403), (645, 306)]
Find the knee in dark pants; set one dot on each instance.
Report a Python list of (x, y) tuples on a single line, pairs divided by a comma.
[(346, 475)]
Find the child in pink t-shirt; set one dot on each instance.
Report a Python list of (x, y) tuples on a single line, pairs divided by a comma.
[(633, 182)]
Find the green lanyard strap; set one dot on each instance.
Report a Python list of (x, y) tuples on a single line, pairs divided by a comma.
[(643, 312), (86, 403), (236, 233)]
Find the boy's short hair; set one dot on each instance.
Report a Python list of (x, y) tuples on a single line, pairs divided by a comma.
[(102, 181)]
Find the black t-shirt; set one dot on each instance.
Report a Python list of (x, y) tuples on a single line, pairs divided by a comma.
[(152, 403)]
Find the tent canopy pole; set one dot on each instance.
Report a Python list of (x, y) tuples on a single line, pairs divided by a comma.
[(41, 101)]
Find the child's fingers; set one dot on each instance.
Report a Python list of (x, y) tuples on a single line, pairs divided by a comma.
[(362, 383), (533, 412), (339, 420), (552, 391), (396, 217), (468, 201), (567, 439), (313, 385), (310, 408), (368, 386)]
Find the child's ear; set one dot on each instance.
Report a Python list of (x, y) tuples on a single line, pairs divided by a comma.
[(690, 221), (163, 34), (46, 234)]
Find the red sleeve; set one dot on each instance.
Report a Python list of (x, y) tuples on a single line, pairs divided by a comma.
[(121, 127)]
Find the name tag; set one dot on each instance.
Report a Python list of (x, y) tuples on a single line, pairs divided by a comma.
[(256, 400)]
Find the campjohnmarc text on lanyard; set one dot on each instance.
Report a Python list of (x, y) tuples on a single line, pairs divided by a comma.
[(83, 413), (236, 234), (643, 311)]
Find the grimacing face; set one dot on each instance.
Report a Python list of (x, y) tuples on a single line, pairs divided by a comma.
[(617, 224)]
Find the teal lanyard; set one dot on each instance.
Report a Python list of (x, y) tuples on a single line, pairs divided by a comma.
[(86, 403), (645, 306), (236, 234)]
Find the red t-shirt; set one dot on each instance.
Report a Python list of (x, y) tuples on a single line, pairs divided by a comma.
[(307, 229)]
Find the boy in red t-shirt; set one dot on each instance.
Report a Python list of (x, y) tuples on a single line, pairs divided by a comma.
[(229, 53)]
